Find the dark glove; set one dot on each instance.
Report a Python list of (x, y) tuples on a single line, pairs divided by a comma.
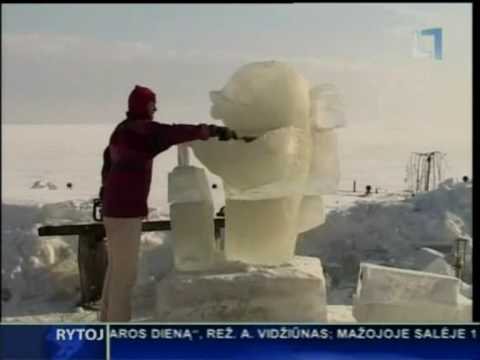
[(225, 134), (222, 133)]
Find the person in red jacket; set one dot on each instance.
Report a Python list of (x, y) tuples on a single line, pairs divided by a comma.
[(126, 179)]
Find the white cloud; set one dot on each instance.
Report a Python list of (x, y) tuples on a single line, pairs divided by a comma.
[(48, 76), (58, 78)]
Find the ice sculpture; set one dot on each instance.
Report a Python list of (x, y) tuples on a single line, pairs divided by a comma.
[(274, 184), (191, 214)]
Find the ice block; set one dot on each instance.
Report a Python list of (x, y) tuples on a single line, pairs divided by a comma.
[(191, 216), (386, 294), (261, 232), (312, 213)]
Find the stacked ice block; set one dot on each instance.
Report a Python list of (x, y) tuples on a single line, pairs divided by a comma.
[(386, 294), (191, 216)]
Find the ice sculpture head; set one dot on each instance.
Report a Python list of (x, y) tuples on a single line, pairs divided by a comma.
[(263, 96), (271, 101)]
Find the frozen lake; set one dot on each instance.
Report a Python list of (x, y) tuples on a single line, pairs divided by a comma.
[(73, 153)]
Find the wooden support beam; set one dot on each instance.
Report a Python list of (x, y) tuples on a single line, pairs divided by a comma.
[(99, 230), (92, 266)]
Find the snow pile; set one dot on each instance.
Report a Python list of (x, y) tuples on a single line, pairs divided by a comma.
[(429, 260), (45, 268), (29, 262), (390, 232)]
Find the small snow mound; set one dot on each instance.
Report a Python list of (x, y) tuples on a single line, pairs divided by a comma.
[(51, 186), (41, 184), (66, 212)]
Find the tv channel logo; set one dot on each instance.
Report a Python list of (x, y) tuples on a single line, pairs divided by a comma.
[(423, 48)]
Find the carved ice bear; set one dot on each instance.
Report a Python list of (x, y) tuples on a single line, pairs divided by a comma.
[(273, 185)]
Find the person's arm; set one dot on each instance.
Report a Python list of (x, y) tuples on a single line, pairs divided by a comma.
[(181, 133), (162, 136), (185, 133)]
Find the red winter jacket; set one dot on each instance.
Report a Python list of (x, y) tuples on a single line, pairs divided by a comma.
[(127, 167)]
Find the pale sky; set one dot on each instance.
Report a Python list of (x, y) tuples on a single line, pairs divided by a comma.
[(77, 63)]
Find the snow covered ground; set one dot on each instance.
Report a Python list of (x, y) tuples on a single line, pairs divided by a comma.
[(40, 275)]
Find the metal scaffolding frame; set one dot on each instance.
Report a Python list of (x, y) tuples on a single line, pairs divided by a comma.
[(425, 170)]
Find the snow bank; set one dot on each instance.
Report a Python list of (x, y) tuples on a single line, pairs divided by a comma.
[(390, 232), (45, 268)]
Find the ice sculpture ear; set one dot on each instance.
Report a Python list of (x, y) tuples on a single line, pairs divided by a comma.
[(327, 110), (326, 114)]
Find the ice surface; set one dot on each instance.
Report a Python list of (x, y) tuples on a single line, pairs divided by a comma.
[(264, 181), (261, 97), (323, 178), (312, 213), (274, 165), (193, 235), (191, 217), (386, 294), (293, 292), (261, 231), (386, 284), (324, 174), (188, 184)]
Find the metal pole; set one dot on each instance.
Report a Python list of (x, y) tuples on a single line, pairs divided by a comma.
[(429, 161), (418, 166)]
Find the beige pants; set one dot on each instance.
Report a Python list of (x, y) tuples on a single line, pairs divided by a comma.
[(123, 240)]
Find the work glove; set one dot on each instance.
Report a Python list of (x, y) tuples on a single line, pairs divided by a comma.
[(222, 133)]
